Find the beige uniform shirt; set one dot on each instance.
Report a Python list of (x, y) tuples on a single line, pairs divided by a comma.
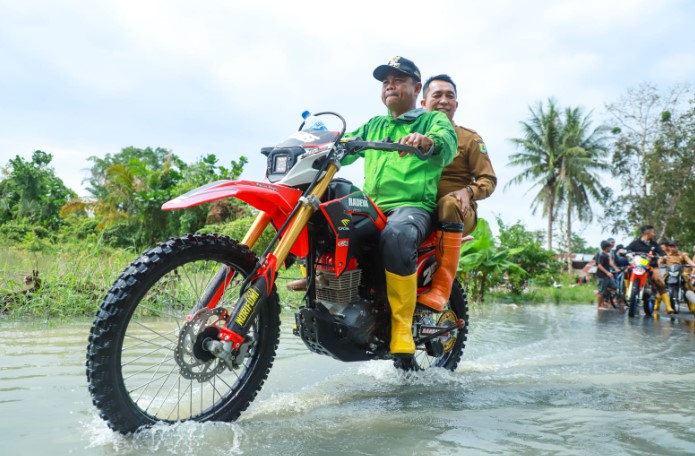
[(471, 166), (679, 258)]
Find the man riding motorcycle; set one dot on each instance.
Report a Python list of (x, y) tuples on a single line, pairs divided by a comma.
[(646, 245), (403, 186), (675, 257)]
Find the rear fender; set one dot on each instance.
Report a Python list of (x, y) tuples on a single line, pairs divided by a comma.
[(277, 201)]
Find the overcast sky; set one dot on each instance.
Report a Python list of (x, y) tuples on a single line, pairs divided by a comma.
[(83, 78)]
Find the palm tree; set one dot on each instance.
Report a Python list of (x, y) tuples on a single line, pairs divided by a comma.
[(581, 160), (540, 152)]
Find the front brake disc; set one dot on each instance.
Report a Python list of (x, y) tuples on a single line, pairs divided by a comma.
[(195, 362)]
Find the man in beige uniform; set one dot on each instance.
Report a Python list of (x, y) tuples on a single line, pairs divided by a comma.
[(673, 257), (467, 179)]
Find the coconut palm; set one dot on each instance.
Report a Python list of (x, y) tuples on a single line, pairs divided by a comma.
[(541, 146), (561, 156), (581, 160)]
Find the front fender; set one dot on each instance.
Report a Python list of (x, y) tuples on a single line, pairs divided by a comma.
[(277, 201)]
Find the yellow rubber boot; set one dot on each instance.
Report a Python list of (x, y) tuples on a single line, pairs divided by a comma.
[(402, 293), (657, 303), (447, 255), (667, 301), (690, 297)]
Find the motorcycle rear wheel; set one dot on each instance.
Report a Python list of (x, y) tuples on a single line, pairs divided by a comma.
[(144, 362), (455, 340)]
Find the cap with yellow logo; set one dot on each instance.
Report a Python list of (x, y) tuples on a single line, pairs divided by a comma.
[(400, 64)]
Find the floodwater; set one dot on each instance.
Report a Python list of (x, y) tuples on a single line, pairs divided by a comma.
[(536, 379)]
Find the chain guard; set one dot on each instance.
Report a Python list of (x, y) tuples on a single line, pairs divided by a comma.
[(194, 361)]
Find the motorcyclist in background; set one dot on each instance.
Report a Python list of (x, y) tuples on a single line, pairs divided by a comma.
[(646, 245), (675, 256), (621, 264), (621, 260)]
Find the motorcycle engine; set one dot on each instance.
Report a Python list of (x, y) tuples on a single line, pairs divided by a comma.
[(336, 293), (343, 324)]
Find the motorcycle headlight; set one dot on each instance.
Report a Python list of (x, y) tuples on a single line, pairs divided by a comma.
[(280, 165), (281, 160)]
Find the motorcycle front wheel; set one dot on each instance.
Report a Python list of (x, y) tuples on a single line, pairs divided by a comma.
[(444, 351), (146, 361), (622, 299), (648, 305), (674, 295), (633, 300)]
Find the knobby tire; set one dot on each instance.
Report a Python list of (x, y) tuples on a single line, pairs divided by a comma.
[(133, 375), (673, 296), (458, 303), (633, 300)]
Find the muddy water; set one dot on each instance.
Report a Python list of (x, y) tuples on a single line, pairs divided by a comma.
[(533, 380)]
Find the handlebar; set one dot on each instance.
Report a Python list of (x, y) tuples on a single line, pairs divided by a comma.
[(357, 145), (651, 255)]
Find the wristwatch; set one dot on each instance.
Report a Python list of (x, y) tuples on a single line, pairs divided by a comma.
[(470, 191)]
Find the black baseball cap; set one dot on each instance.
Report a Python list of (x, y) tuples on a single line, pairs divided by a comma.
[(400, 64), (672, 243)]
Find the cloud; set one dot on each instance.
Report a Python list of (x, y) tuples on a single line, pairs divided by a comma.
[(88, 78)]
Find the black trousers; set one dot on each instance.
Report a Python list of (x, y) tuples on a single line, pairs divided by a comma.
[(406, 228)]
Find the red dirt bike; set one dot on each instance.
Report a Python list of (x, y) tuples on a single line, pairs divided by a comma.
[(640, 287), (189, 329)]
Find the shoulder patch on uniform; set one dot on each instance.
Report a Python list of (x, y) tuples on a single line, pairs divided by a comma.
[(482, 147)]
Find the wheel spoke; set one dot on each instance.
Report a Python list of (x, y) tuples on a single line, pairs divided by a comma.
[(450, 344), (143, 333), (154, 396), (149, 342)]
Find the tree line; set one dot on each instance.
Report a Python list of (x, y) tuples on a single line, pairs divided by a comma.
[(127, 190), (636, 168)]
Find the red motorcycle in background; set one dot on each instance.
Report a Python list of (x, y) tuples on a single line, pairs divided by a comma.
[(189, 330), (640, 287)]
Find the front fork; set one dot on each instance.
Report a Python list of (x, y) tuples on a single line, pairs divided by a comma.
[(261, 285), (636, 282), (214, 291)]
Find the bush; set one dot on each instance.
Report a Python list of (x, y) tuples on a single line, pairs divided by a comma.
[(538, 263), (78, 228), (238, 228)]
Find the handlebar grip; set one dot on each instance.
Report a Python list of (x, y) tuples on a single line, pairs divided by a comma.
[(390, 147)]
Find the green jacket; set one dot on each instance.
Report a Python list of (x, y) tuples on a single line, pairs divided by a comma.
[(393, 181)]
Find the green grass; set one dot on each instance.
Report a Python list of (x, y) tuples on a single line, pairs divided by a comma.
[(75, 279), (292, 299), (582, 294), (73, 282)]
